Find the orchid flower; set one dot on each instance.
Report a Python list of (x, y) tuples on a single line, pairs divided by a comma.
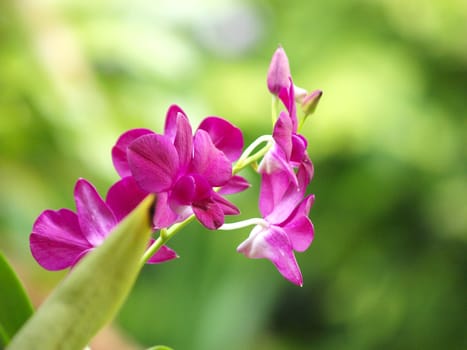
[(285, 226), (60, 239), (190, 173), (184, 170)]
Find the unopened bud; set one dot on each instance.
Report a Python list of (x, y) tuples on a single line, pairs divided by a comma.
[(279, 72), (310, 102)]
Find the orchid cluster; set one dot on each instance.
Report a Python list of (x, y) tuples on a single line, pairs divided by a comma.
[(190, 174)]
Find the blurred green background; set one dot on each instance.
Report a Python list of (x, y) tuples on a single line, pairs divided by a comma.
[(388, 267)]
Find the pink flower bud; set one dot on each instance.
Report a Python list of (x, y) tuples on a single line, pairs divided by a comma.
[(279, 72)]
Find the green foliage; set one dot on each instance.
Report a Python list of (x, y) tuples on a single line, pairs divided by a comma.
[(15, 306), (92, 294)]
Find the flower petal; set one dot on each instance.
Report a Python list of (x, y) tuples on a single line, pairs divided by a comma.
[(227, 207), (162, 255), (272, 243), (95, 217), (299, 227), (287, 96), (276, 161), (272, 189), (209, 213), (170, 128), (301, 233), (56, 240), (124, 196), (282, 134), (299, 145), (236, 184), (164, 216), (183, 141), (278, 196), (183, 191), (282, 256), (154, 162), (225, 136), (210, 162), (119, 154)]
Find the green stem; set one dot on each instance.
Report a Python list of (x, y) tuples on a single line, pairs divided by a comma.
[(246, 159), (164, 236)]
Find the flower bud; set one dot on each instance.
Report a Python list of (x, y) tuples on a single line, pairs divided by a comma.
[(279, 72), (310, 102)]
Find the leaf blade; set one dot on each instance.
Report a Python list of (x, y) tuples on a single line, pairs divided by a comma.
[(92, 293), (15, 306)]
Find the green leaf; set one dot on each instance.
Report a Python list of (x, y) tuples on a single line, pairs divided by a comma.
[(15, 306), (90, 296), (159, 347)]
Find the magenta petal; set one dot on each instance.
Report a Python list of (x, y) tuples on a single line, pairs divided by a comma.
[(282, 256), (183, 141), (154, 162), (225, 136), (236, 184), (282, 134), (183, 191), (210, 162), (285, 201), (209, 214), (288, 99), (299, 145), (299, 227), (308, 166), (164, 216), (162, 255), (275, 161), (53, 255), (119, 154), (272, 243), (95, 217), (170, 128), (124, 196), (227, 207), (56, 240), (303, 209), (277, 195), (300, 232), (203, 189)]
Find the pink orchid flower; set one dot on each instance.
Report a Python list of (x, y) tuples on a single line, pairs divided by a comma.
[(183, 169), (60, 239), (285, 227)]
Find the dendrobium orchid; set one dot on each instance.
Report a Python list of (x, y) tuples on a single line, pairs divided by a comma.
[(60, 239), (190, 173), (184, 170), (285, 226)]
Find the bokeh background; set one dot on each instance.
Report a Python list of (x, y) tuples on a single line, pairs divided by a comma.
[(388, 267)]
